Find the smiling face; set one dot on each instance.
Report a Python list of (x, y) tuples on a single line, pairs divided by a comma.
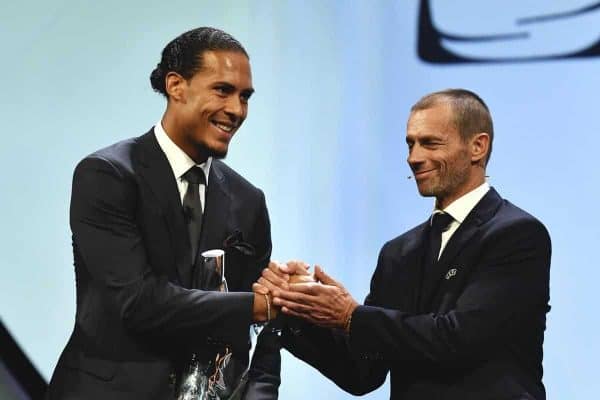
[(205, 111), (443, 164)]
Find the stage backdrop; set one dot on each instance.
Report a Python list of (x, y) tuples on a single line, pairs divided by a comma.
[(325, 138)]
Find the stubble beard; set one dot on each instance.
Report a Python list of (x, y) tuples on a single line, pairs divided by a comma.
[(447, 182), (218, 154), (212, 151)]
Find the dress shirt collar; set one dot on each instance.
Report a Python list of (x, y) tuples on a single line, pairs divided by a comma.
[(180, 162), (461, 207)]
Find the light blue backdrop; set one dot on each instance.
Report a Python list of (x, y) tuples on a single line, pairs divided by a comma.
[(324, 139)]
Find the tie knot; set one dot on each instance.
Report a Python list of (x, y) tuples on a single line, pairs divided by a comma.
[(441, 221), (195, 175)]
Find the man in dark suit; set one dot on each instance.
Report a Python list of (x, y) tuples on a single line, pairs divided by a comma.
[(142, 211), (458, 304)]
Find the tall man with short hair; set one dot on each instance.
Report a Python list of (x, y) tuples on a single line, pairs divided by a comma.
[(142, 212), (457, 305)]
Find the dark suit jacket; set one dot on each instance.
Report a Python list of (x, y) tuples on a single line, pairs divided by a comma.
[(479, 336), (133, 272)]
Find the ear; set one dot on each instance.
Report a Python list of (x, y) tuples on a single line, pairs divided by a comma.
[(175, 86), (480, 147)]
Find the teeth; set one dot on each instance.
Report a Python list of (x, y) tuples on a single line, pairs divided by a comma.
[(223, 127)]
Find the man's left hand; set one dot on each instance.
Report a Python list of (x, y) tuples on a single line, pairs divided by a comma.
[(324, 303)]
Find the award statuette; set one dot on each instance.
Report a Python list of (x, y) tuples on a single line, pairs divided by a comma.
[(216, 373)]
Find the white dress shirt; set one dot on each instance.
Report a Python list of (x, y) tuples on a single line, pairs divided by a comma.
[(459, 209), (180, 162)]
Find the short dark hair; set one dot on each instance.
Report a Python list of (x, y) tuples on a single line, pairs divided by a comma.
[(471, 114), (184, 54)]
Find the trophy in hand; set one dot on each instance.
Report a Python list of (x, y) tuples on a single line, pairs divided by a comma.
[(216, 372)]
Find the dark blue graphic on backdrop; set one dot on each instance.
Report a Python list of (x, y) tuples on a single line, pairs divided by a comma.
[(492, 32)]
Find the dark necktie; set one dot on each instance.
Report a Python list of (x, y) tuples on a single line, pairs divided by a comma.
[(192, 207), (440, 222)]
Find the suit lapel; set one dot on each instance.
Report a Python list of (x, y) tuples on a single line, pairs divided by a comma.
[(470, 227), (157, 173), (481, 213)]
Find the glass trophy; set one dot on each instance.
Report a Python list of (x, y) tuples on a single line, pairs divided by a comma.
[(215, 372)]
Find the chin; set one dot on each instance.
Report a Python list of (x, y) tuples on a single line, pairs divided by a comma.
[(425, 190), (218, 153)]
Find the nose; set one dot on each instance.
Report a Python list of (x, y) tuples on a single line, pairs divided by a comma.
[(236, 109), (415, 155)]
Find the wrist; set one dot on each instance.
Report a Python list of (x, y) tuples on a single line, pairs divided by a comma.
[(262, 308), (348, 316), (259, 308), (268, 303)]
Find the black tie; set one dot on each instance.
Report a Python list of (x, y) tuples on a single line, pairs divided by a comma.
[(192, 207), (440, 222)]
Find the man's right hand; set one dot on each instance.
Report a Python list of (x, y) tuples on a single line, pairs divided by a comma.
[(263, 308), (298, 272), (272, 278), (277, 277)]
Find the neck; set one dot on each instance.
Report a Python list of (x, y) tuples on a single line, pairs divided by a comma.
[(177, 134), (441, 202)]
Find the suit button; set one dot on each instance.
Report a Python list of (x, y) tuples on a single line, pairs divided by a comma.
[(172, 379)]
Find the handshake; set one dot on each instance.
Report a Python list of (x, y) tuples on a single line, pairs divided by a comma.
[(314, 297)]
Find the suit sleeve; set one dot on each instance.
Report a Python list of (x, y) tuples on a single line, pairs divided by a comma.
[(264, 374), (109, 243), (508, 292), (329, 351)]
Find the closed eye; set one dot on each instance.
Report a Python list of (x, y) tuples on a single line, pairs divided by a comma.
[(432, 144)]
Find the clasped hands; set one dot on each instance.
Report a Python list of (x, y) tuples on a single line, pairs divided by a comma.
[(316, 298)]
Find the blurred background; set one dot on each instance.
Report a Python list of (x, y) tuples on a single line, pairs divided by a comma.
[(324, 139)]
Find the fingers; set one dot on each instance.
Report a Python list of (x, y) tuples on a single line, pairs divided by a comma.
[(302, 279), (282, 296), (327, 304), (277, 269), (304, 303), (310, 288), (315, 320), (292, 305), (260, 289), (321, 276), (275, 277), (296, 314), (271, 281), (303, 308), (295, 267), (314, 316), (278, 275)]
